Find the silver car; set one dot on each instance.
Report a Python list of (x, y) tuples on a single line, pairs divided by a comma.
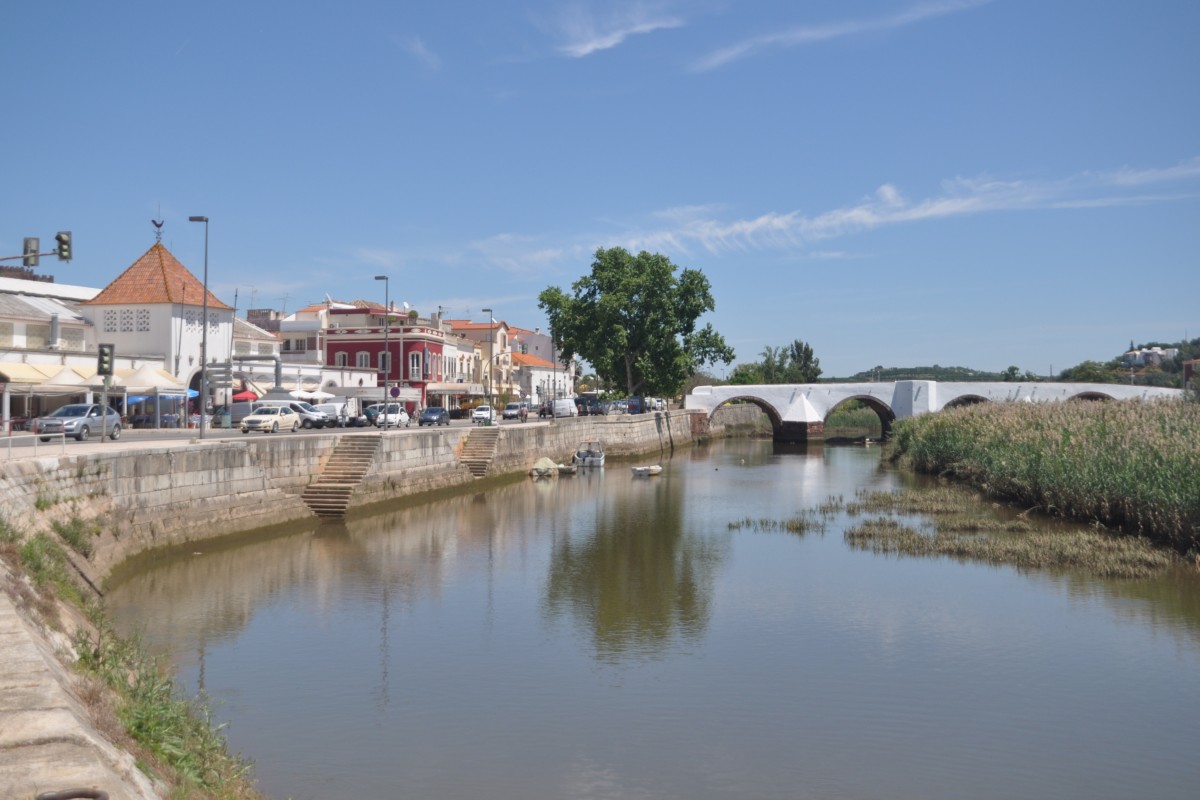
[(80, 420)]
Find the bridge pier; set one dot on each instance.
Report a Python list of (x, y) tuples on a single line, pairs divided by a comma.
[(800, 432)]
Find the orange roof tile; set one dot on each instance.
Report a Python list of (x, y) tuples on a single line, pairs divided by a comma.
[(527, 360), (156, 277)]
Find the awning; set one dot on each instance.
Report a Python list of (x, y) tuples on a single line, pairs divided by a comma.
[(454, 388), (27, 373)]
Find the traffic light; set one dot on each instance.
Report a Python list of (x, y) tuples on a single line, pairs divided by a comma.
[(104, 359), (64, 245), (31, 251)]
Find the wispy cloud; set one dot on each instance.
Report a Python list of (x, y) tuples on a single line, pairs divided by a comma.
[(416, 47), (586, 32), (888, 206), (796, 37)]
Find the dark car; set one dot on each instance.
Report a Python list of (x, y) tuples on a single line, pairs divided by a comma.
[(434, 415), (80, 420)]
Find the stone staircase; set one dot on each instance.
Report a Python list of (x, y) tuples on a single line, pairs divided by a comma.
[(351, 459), (479, 449)]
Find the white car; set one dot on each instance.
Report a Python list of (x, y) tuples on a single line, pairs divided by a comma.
[(271, 419), (483, 414), (393, 415)]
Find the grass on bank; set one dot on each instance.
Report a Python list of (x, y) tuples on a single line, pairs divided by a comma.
[(1130, 466), (130, 694)]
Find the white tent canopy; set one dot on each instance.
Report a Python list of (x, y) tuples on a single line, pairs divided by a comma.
[(148, 379)]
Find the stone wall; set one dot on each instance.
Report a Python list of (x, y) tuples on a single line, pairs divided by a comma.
[(140, 499)]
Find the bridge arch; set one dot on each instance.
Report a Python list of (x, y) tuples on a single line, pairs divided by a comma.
[(882, 410), (966, 400), (766, 407)]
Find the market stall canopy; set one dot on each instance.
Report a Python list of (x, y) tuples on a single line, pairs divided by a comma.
[(317, 395), (146, 378), (27, 373)]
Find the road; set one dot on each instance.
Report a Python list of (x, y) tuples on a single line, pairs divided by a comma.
[(24, 445)]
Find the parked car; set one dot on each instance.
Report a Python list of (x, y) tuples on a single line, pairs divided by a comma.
[(271, 419), (80, 420), (371, 413), (308, 415), (512, 411), (483, 414), (433, 415), (392, 415)]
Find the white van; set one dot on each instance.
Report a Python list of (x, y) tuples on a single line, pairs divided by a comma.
[(565, 407), (336, 412)]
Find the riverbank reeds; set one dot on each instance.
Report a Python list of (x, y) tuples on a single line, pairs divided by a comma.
[(131, 695), (1129, 466), (965, 528)]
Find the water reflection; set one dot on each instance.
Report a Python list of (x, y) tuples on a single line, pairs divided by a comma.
[(602, 636), (635, 578)]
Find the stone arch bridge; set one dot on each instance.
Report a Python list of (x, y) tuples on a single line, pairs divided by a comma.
[(798, 411)]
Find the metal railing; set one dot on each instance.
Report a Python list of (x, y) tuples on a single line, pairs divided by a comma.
[(37, 441)]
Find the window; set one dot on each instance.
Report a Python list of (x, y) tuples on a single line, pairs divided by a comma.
[(110, 320), (143, 320), (241, 348), (266, 349), (341, 359), (37, 336), (362, 360), (414, 366), (385, 363), (126, 320), (72, 339), (6, 334)]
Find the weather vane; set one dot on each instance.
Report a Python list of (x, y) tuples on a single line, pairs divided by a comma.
[(157, 223)]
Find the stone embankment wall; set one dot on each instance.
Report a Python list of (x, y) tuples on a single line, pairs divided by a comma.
[(143, 499)]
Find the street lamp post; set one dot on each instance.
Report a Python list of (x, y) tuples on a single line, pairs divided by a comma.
[(491, 355), (387, 323), (204, 335)]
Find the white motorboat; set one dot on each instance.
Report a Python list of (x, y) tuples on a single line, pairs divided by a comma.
[(589, 454), (647, 471)]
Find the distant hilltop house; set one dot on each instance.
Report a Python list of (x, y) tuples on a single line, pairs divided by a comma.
[(1149, 356)]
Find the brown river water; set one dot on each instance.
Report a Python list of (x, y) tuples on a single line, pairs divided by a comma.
[(611, 636)]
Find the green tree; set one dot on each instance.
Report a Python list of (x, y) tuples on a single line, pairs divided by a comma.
[(747, 375), (1089, 372), (802, 365), (634, 321), (1012, 374)]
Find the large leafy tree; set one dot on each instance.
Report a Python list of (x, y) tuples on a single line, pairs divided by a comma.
[(634, 320)]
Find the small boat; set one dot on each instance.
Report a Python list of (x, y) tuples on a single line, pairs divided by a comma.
[(567, 469), (647, 471), (589, 454)]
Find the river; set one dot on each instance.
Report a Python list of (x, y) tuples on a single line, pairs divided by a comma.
[(611, 636)]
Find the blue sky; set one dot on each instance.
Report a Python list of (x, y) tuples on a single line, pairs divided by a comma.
[(896, 182)]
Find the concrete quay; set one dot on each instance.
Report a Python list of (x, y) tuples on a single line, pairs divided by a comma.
[(146, 493)]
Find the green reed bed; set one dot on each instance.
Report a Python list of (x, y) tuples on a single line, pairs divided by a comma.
[(1098, 552), (1133, 466), (799, 525)]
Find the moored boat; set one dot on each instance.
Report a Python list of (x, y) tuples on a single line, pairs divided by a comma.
[(567, 469), (647, 471), (589, 454)]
